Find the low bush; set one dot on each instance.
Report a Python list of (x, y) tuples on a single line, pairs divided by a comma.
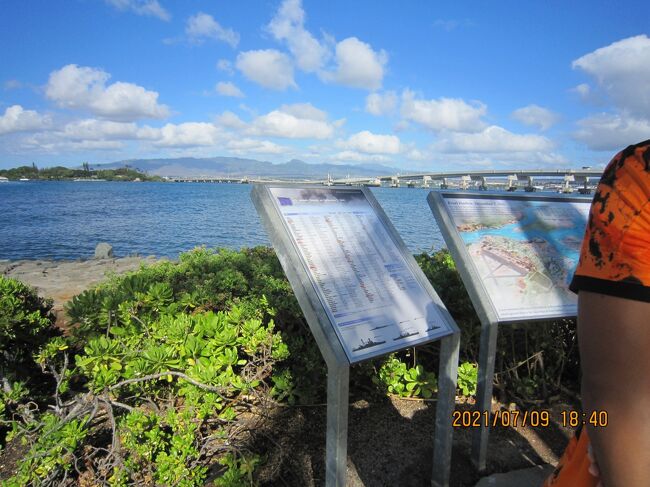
[(26, 323), (168, 371)]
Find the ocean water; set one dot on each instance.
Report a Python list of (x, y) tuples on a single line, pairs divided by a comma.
[(65, 220)]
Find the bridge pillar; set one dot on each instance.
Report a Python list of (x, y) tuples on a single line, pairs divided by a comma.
[(512, 182), (464, 181)]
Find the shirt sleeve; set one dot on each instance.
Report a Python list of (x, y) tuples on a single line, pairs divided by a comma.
[(615, 253)]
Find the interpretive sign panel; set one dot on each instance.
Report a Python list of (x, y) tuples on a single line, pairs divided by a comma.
[(363, 279), (523, 249)]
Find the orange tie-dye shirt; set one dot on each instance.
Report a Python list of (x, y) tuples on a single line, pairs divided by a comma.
[(615, 255)]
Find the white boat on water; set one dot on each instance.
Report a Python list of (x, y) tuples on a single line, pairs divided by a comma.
[(23, 179), (3, 179)]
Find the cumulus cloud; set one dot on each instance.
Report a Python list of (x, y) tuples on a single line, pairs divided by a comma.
[(381, 103), (226, 88), (296, 121), (202, 26), (353, 156), (85, 88), (358, 65), (369, 143), (92, 129), (149, 8), (187, 134), (622, 70), (267, 67), (443, 114), (583, 90), (493, 139), (245, 146), (231, 121), (611, 132), (288, 25), (281, 124), (536, 116), (305, 111), (17, 119)]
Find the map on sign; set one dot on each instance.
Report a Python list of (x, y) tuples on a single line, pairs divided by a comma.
[(369, 292), (524, 250)]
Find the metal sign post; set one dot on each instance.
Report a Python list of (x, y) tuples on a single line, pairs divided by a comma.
[(515, 255), (363, 296)]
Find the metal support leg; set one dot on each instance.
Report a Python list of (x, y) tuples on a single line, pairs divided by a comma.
[(487, 353), (442, 442), (338, 383)]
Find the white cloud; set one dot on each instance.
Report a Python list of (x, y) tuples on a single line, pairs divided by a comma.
[(231, 121), (281, 124), (183, 135), (622, 70), (92, 129), (297, 121), (493, 139), (288, 25), (226, 66), (536, 116), (17, 119), (370, 143), (583, 90), (358, 65), (202, 26), (417, 155), (304, 110), (244, 146), (611, 132), (381, 104), (149, 8), (85, 88), (268, 68), (226, 88), (353, 156), (443, 114)]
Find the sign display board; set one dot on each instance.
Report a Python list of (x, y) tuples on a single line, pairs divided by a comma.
[(523, 249), (368, 289)]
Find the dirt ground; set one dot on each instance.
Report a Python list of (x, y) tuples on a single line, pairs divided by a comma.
[(390, 443), (390, 440)]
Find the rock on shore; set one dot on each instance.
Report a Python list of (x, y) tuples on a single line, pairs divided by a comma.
[(61, 280)]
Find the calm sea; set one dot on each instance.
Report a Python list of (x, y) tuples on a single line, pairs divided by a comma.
[(66, 220)]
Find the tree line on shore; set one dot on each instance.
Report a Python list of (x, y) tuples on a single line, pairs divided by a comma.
[(61, 173)]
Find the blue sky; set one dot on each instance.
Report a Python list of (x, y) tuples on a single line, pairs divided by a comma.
[(412, 84)]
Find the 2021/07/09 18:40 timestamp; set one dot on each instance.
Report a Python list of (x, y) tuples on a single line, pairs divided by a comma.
[(534, 418)]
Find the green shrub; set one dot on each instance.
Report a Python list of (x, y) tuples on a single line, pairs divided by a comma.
[(26, 323), (467, 378), (397, 378), (158, 387)]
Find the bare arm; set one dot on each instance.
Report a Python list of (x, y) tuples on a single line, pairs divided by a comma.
[(614, 339)]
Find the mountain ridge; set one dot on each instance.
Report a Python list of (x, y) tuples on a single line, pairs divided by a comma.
[(241, 167)]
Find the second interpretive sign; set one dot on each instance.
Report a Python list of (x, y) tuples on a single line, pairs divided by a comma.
[(362, 277), (523, 249)]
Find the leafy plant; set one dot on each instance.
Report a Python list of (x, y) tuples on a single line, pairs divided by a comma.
[(467, 378), (403, 381)]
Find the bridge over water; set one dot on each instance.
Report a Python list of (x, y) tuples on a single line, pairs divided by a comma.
[(484, 179)]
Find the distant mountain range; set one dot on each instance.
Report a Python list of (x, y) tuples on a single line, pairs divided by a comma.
[(236, 167)]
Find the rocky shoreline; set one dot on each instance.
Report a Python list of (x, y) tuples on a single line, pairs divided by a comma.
[(61, 280)]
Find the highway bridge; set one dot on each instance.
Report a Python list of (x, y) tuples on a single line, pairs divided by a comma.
[(529, 179)]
